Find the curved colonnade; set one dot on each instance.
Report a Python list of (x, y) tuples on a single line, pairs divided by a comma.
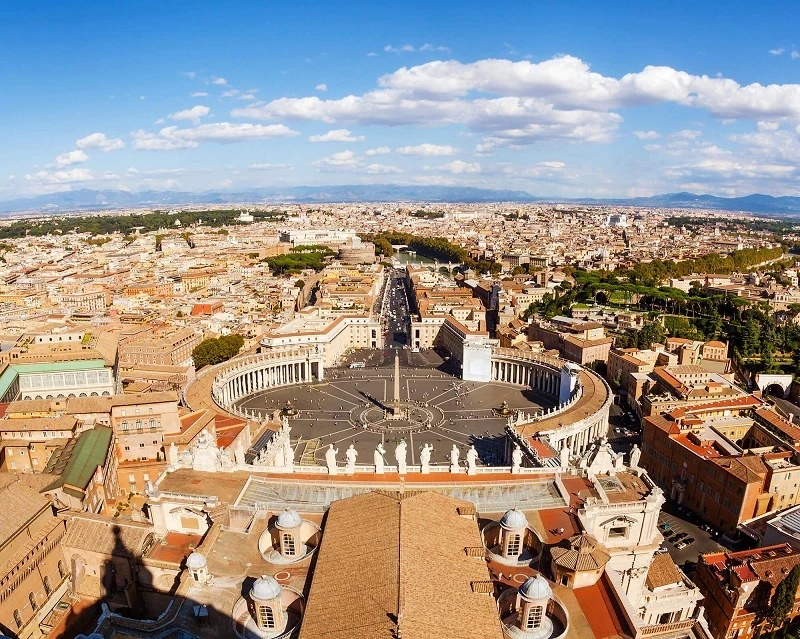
[(252, 373), (579, 418), (581, 415)]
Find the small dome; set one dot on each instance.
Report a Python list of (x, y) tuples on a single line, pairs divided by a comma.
[(514, 520), (265, 587), (535, 588), (196, 561), (288, 519)]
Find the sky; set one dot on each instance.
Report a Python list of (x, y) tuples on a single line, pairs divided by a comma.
[(559, 99)]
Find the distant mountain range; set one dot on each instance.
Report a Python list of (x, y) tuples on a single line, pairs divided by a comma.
[(88, 200)]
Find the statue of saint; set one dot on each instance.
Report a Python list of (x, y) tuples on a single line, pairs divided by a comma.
[(238, 454), (516, 459), (330, 459), (400, 456), (351, 454), (472, 459), (636, 453), (425, 458), (288, 455), (378, 459), (172, 454), (454, 460), (564, 456)]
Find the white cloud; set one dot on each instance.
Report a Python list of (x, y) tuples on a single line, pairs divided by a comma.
[(457, 167), (380, 169), (270, 167), (686, 134), (381, 150), (406, 48), (372, 54), (426, 150), (552, 165), (523, 102), (199, 94), (67, 176), (219, 81), (794, 55), (101, 142), (432, 47), (777, 51), (343, 159), (321, 88), (194, 114), (337, 135), (171, 138), (647, 135), (230, 93), (71, 157), (189, 74)]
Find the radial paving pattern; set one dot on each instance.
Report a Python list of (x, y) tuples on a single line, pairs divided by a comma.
[(353, 407)]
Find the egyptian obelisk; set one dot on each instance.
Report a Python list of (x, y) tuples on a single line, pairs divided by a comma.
[(397, 410)]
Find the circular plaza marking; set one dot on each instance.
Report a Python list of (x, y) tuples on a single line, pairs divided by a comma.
[(356, 407)]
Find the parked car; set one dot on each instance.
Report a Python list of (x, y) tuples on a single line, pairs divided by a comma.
[(688, 541), (681, 545), (661, 550), (664, 527), (680, 536)]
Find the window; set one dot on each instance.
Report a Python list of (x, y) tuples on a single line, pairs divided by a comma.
[(141, 445), (32, 599), (288, 544), (124, 424), (61, 572), (47, 587), (138, 424), (617, 532), (513, 545), (18, 619), (534, 619), (267, 618)]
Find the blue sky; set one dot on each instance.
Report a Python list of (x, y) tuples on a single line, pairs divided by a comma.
[(563, 99)]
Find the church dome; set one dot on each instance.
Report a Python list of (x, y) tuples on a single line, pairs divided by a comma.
[(288, 519), (196, 561), (535, 588), (265, 588), (514, 520)]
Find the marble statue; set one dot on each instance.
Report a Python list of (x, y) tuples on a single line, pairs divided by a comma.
[(172, 454), (330, 459), (564, 456), (454, 460), (378, 459), (516, 459), (351, 454), (472, 459), (400, 456), (636, 453), (238, 454), (288, 455), (425, 458)]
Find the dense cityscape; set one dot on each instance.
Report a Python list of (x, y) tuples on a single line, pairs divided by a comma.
[(399, 320)]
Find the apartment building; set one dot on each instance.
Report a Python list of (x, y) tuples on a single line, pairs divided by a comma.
[(576, 340), (166, 346), (738, 589), (34, 574)]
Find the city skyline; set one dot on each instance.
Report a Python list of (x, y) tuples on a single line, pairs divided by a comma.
[(535, 99)]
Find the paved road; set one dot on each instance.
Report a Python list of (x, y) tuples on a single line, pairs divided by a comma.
[(397, 316)]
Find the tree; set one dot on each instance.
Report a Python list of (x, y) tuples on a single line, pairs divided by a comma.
[(783, 599), (215, 351)]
